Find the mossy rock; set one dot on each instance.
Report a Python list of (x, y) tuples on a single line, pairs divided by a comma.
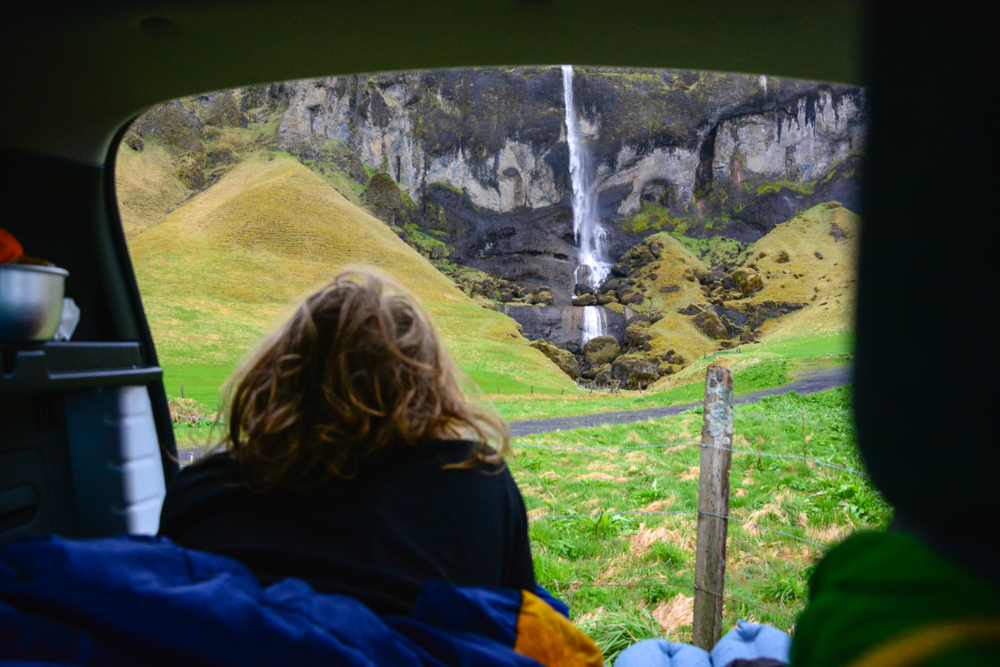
[(540, 298), (191, 175), (621, 269), (585, 300), (383, 198), (564, 359), (748, 281), (711, 325), (172, 125), (601, 350), (134, 141), (638, 336), (602, 374), (635, 372), (615, 307), (607, 299), (629, 295), (226, 111)]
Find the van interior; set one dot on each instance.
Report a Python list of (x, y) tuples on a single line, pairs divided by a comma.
[(86, 443)]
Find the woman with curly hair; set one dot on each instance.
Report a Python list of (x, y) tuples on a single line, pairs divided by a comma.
[(353, 461)]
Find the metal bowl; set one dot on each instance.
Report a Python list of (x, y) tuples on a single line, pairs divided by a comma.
[(31, 301)]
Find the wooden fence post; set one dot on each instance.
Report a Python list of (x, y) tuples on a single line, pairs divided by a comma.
[(713, 499)]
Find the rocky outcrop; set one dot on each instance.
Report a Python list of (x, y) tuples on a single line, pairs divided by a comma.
[(601, 350), (383, 198), (635, 372), (559, 325), (565, 360)]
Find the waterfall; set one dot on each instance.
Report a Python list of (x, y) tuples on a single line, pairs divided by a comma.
[(593, 267), (594, 323), (590, 236)]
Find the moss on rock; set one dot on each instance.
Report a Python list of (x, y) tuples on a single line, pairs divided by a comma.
[(601, 350), (560, 357)]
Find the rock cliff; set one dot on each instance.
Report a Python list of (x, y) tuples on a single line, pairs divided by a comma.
[(471, 167), (483, 153)]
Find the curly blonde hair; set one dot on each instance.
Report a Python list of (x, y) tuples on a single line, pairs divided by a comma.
[(357, 369)]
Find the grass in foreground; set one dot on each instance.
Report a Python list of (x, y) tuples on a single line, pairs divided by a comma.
[(628, 577)]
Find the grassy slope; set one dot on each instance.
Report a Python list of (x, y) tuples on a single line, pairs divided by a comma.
[(826, 285), (147, 187), (675, 331), (218, 272)]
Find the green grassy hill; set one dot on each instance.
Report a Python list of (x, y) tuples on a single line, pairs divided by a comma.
[(222, 269)]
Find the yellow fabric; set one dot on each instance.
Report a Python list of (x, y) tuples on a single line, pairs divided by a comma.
[(550, 638), (929, 642)]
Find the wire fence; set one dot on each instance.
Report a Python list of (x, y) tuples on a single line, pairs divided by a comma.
[(715, 587)]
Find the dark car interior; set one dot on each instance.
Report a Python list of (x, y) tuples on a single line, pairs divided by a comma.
[(86, 443)]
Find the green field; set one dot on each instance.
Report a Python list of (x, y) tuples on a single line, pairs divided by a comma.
[(629, 577), (756, 369)]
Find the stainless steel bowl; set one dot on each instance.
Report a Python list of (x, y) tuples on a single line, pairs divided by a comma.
[(31, 301)]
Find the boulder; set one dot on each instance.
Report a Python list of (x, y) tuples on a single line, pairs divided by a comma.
[(602, 374), (629, 295), (642, 257), (585, 300), (540, 298), (560, 357), (606, 298), (616, 308), (580, 289), (635, 372), (601, 350), (620, 269), (656, 248), (638, 335), (709, 322), (838, 232)]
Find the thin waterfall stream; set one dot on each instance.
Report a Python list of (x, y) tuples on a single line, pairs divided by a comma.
[(593, 267)]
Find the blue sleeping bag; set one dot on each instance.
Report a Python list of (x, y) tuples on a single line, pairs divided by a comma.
[(134, 600)]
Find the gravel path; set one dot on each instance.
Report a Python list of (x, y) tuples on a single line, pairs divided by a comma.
[(820, 381)]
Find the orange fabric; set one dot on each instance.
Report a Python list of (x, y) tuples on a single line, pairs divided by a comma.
[(10, 249), (929, 642), (550, 638)]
